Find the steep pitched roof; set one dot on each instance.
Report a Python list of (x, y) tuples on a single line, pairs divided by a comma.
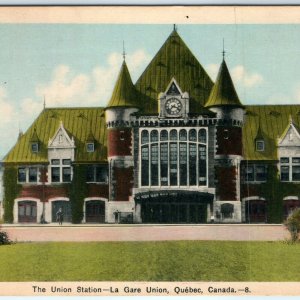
[(78, 122), (124, 93), (174, 59), (223, 91), (274, 119)]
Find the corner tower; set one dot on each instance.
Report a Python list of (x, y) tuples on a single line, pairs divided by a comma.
[(122, 105), (224, 101)]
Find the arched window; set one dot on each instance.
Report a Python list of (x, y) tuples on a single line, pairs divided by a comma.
[(182, 135), (202, 136), (173, 135), (164, 135), (154, 136), (145, 136), (192, 135)]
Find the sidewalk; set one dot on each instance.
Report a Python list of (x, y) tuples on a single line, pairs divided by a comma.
[(144, 232)]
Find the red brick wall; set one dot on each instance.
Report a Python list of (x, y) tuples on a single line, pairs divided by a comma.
[(123, 183), (44, 192), (119, 142), (229, 140), (226, 183), (98, 190)]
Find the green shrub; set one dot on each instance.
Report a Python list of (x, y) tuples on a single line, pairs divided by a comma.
[(293, 224), (4, 239)]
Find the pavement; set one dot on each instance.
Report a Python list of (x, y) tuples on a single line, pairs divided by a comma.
[(144, 232)]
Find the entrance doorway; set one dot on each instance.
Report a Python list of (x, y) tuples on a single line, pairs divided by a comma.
[(66, 209), (179, 207), (27, 212), (255, 211), (95, 211)]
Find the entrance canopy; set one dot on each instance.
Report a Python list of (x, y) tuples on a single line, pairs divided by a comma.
[(174, 206)]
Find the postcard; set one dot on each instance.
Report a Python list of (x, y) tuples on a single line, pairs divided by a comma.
[(149, 151)]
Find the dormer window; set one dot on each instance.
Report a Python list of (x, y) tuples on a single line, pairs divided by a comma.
[(34, 147), (260, 145), (90, 147)]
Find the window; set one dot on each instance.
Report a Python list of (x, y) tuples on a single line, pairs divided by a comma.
[(256, 173), (227, 210), (260, 145), (34, 147), (97, 173), (61, 170), (173, 157), (90, 147), (290, 169), (28, 175)]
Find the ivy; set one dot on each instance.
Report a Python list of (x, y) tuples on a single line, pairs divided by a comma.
[(78, 191), (274, 191), (11, 192)]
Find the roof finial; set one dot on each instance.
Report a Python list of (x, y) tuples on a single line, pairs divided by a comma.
[(124, 53), (44, 102), (223, 52), (174, 27)]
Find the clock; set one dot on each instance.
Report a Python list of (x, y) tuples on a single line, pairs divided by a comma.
[(173, 106)]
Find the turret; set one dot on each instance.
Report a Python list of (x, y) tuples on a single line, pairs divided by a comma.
[(224, 101), (122, 105)]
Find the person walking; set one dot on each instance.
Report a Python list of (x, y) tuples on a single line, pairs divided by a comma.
[(59, 216)]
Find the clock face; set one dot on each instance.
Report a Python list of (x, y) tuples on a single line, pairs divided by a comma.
[(173, 106)]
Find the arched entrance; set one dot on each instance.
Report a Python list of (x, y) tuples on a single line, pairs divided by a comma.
[(174, 207), (95, 211), (255, 210), (27, 211), (66, 208), (289, 204)]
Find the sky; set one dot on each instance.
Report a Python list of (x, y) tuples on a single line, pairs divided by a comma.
[(75, 65)]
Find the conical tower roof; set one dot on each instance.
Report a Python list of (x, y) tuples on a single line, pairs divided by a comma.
[(124, 93), (223, 92), (174, 60)]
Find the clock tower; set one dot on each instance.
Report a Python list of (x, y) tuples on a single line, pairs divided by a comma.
[(173, 103)]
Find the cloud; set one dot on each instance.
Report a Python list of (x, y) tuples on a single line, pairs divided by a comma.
[(68, 88), (212, 70), (242, 77)]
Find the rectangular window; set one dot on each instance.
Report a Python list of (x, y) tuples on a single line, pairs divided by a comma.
[(173, 163), (66, 162), (164, 164), (183, 163), (154, 164), (261, 174), (284, 173), (55, 161), (66, 174), (260, 145), (90, 173), (22, 175), (145, 165), (101, 173), (33, 174), (249, 173), (55, 174), (284, 160), (35, 147), (202, 165), (90, 147), (296, 173), (193, 163)]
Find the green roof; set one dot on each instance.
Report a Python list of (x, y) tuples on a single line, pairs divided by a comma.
[(124, 93), (223, 91), (174, 59), (79, 123), (268, 122)]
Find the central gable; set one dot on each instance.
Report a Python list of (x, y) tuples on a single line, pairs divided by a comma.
[(174, 60)]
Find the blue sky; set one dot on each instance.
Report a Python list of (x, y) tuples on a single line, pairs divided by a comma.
[(77, 65)]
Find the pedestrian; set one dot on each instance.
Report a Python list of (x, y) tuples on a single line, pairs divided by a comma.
[(59, 216), (116, 213)]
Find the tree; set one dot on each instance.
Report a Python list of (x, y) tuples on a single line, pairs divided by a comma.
[(293, 224)]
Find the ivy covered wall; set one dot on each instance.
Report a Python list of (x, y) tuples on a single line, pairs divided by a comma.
[(78, 191), (11, 192)]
